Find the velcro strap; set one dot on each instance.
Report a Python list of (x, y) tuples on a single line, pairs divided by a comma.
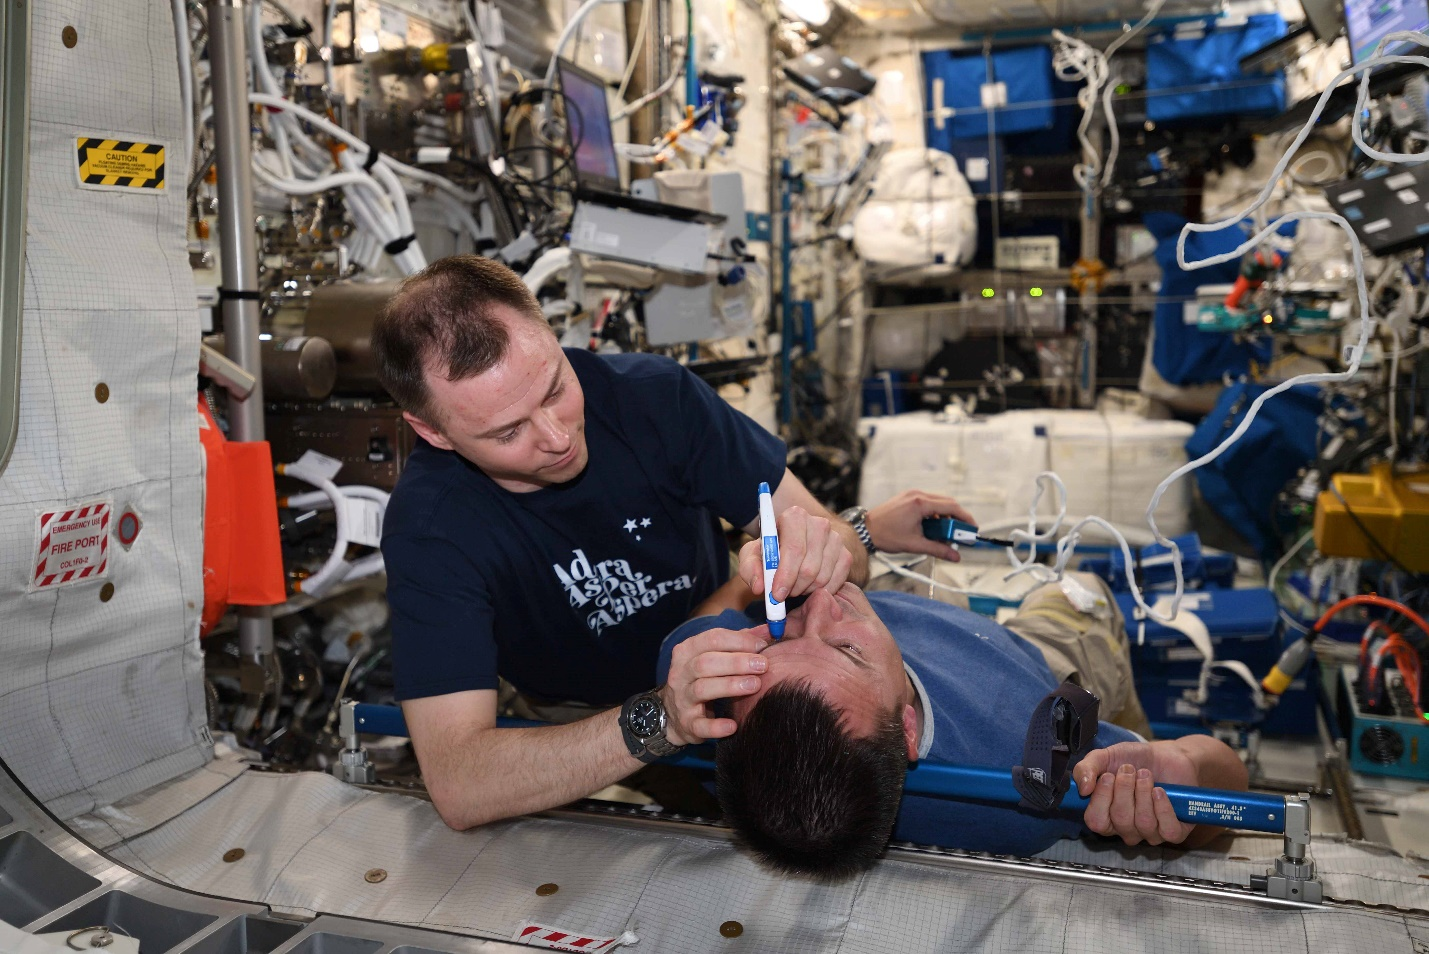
[(1060, 733), (231, 294), (399, 245), (373, 155)]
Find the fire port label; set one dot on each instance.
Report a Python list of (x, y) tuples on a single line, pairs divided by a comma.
[(71, 545)]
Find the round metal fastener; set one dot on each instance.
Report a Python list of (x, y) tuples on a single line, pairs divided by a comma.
[(731, 929), (101, 392), (106, 593), (548, 889), (375, 876), (233, 854), (70, 37), (102, 937)]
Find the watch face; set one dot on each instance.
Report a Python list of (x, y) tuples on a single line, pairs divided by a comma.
[(645, 719)]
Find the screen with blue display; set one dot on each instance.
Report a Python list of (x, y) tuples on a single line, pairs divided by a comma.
[(1369, 21), (588, 119)]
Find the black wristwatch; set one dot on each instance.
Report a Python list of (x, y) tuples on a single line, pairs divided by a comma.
[(642, 722), (858, 518)]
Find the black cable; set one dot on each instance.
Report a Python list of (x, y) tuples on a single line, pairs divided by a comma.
[(1373, 540)]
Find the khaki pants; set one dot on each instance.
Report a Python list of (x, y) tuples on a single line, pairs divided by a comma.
[(1091, 652)]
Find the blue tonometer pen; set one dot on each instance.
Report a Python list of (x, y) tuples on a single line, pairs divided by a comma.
[(769, 534)]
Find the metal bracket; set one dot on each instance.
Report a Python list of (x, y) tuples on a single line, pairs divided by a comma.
[(1293, 877), (352, 765)]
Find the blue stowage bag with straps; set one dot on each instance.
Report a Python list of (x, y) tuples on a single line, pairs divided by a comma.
[(1189, 77), (1025, 71), (1182, 353), (1242, 483)]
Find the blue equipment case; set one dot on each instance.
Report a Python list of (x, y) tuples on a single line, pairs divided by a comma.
[(1385, 743), (1244, 625)]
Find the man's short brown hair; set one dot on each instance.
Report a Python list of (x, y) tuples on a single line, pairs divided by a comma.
[(444, 316)]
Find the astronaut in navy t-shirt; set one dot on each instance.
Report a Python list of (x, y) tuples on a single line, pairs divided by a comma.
[(558, 517)]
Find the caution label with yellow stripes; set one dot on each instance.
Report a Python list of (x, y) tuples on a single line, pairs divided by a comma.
[(119, 164)]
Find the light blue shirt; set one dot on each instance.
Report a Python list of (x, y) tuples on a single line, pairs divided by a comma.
[(978, 684)]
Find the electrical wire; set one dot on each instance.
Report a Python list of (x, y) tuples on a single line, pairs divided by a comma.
[(636, 46), (1373, 540), (1289, 555)]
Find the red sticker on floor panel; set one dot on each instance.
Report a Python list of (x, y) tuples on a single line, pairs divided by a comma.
[(71, 544), (557, 939)]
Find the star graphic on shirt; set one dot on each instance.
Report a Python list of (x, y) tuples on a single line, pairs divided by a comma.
[(630, 525), (645, 522)]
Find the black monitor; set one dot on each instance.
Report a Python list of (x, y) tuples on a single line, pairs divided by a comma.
[(588, 126), (1369, 21)]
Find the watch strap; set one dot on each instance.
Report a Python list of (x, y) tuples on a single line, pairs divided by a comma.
[(857, 517), (650, 749)]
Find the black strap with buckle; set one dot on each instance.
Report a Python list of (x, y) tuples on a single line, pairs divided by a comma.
[(1062, 729)]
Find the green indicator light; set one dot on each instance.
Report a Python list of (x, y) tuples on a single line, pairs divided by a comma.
[(1035, 292), (988, 293)]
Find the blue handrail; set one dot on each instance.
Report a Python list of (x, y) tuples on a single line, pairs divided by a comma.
[(1250, 811)]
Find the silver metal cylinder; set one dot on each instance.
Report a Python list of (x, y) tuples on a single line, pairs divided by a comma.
[(238, 250), (298, 369), (343, 313)]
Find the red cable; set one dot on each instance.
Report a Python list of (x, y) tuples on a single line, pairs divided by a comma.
[(1368, 599)]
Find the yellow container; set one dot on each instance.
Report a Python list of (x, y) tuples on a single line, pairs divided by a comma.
[(1392, 507)]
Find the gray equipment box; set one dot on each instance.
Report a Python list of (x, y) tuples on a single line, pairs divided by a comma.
[(643, 239)]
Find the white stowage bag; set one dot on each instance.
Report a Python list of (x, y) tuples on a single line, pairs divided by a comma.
[(920, 212)]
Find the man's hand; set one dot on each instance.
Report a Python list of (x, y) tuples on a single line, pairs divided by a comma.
[(811, 556), (716, 664), (896, 525), (1121, 781)]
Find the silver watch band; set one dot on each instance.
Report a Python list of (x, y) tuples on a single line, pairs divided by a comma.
[(857, 517)]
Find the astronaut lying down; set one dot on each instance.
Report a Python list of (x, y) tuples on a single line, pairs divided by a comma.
[(863, 684)]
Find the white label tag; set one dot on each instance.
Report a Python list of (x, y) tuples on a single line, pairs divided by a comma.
[(71, 544), (364, 521), (734, 310), (557, 939), (319, 464), (993, 95)]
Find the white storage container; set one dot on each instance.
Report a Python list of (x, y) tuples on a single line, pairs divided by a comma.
[(1110, 463)]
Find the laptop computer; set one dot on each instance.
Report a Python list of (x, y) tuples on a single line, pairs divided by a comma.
[(592, 141)]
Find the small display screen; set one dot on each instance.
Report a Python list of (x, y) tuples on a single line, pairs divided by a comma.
[(588, 122), (1369, 21)]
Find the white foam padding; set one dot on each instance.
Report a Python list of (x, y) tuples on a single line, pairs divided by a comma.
[(103, 699), (309, 840), (1110, 463)]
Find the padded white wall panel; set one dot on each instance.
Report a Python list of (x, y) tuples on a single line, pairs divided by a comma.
[(103, 699)]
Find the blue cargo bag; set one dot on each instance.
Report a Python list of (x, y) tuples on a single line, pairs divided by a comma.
[(1189, 77), (1027, 74)]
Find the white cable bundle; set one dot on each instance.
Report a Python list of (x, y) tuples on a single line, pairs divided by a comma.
[(1355, 354), (1074, 60), (336, 569), (374, 194)]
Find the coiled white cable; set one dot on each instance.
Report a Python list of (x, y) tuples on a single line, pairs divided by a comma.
[(1355, 354)]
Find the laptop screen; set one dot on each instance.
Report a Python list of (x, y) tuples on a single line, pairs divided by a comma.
[(588, 124), (1368, 21)]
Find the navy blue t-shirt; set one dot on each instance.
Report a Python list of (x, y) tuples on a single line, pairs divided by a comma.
[(983, 683), (567, 591)]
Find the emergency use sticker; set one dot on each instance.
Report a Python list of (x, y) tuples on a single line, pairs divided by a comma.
[(557, 939), (71, 544), (119, 164)]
